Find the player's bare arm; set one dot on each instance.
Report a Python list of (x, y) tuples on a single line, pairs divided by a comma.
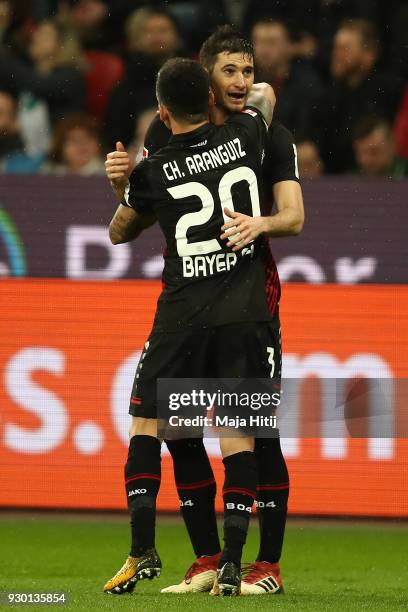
[(288, 221), (127, 224), (118, 168), (290, 217)]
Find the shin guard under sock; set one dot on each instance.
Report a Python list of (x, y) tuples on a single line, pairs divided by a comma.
[(272, 498), (142, 481), (239, 493), (196, 488)]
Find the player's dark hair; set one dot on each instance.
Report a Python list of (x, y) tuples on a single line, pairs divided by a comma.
[(183, 87), (225, 39)]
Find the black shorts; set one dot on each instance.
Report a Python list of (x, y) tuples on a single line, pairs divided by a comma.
[(239, 350)]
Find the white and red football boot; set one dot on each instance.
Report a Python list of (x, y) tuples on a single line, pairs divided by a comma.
[(199, 577), (261, 578)]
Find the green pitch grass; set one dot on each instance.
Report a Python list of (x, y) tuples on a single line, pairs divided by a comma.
[(326, 567)]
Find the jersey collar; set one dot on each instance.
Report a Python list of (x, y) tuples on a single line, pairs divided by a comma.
[(193, 137)]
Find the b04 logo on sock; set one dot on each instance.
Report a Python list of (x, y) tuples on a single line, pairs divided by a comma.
[(261, 504), (188, 502), (232, 506)]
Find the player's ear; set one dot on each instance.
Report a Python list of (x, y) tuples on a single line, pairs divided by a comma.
[(164, 115)]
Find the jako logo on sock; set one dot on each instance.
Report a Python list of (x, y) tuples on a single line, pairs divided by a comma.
[(136, 492)]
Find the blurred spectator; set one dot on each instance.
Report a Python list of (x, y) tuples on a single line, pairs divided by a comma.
[(314, 23), (14, 22), (357, 90), (310, 164), (12, 156), (153, 33), (48, 89), (152, 38), (90, 20), (375, 150), (76, 148), (297, 86)]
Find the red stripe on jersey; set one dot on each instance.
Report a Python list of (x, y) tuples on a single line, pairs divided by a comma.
[(145, 153), (143, 476), (136, 400), (196, 485), (272, 284)]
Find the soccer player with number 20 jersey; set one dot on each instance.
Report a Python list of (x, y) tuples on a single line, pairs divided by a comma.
[(230, 63)]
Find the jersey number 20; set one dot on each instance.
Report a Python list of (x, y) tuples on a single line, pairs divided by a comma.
[(200, 217)]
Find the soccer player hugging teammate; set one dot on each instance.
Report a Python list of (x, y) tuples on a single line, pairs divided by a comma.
[(212, 318), (229, 59)]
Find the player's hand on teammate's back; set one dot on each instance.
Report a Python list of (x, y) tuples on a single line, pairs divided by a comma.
[(242, 230), (118, 168)]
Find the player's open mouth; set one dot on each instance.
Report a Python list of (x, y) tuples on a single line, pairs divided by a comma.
[(237, 97)]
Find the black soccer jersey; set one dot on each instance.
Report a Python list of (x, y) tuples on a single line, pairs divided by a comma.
[(280, 164), (187, 184)]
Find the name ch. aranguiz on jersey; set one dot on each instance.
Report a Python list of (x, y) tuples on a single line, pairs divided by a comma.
[(216, 157)]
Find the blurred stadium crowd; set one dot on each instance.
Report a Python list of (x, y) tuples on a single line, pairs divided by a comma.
[(78, 75)]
